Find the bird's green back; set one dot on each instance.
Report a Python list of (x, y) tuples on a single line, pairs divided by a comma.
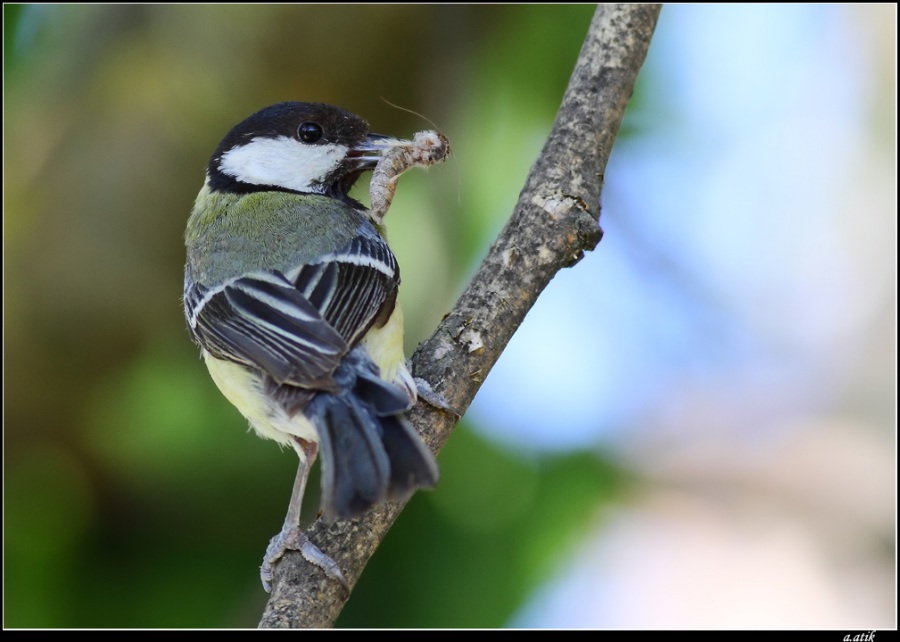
[(231, 234)]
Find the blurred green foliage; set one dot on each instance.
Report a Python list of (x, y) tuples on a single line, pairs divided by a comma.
[(134, 495)]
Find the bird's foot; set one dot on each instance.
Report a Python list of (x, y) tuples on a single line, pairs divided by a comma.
[(293, 539), (433, 398)]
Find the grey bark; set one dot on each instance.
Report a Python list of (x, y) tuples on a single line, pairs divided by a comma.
[(554, 222)]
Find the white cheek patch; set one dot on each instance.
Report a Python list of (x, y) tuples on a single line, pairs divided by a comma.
[(282, 162)]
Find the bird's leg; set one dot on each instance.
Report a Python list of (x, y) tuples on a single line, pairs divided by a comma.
[(291, 537)]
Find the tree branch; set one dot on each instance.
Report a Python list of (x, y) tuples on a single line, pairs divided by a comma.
[(554, 222)]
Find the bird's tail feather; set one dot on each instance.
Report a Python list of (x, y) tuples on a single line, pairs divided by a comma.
[(370, 452)]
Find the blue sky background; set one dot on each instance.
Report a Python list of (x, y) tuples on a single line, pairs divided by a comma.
[(741, 304)]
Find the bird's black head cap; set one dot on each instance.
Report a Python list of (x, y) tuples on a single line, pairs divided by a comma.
[(312, 124)]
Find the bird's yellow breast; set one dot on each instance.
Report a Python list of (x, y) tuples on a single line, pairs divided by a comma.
[(244, 389), (385, 347)]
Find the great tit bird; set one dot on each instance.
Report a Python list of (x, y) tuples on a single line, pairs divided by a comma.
[(290, 291)]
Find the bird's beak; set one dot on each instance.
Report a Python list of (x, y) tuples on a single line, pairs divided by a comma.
[(367, 154)]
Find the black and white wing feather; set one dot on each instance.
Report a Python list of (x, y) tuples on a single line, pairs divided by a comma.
[(353, 288), (297, 327)]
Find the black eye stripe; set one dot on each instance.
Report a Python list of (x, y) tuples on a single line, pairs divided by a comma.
[(309, 132)]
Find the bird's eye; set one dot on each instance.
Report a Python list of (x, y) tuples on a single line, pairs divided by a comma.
[(309, 132)]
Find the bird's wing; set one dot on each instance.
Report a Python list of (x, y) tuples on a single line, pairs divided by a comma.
[(352, 288), (298, 326)]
